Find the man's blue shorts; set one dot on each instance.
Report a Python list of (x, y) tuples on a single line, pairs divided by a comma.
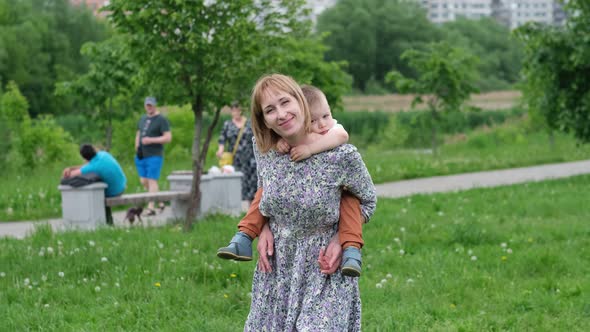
[(149, 167)]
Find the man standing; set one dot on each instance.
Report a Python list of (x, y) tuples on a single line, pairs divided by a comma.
[(153, 131), (106, 167)]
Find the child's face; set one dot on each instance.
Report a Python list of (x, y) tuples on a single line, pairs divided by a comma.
[(321, 118)]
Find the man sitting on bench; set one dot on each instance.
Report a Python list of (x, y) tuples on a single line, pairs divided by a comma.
[(106, 167)]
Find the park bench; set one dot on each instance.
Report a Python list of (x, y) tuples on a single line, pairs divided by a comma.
[(142, 198), (84, 207)]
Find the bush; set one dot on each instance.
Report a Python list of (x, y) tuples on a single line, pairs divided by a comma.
[(42, 142)]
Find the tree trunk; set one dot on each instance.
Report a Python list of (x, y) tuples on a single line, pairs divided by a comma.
[(433, 132), (109, 128), (195, 197)]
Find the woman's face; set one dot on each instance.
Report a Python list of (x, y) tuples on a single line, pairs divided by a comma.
[(236, 112), (282, 113)]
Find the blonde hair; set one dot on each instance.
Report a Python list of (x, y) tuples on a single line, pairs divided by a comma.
[(314, 96), (266, 138)]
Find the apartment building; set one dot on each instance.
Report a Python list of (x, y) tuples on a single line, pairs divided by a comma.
[(512, 13)]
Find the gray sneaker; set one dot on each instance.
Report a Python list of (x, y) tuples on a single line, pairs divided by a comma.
[(239, 248), (351, 262)]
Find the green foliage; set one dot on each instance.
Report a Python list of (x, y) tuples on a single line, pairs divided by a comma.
[(13, 105), (500, 54), (13, 115), (110, 75), (40, 43), (445, 79), (373, 41), (556, 71), (42, 142)]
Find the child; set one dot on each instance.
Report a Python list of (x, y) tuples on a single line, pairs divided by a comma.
[(350, 226)]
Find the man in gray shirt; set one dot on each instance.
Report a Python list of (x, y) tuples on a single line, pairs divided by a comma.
[(153, 131)]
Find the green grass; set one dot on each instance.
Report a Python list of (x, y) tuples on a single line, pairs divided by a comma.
[(500, 148), (33, 194), (531, 244)]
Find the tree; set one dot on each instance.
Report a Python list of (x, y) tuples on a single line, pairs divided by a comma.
[(500, 54), (556, 70), (445, 79), (207, 53), (110, 74), (370, 35), (40, 44)]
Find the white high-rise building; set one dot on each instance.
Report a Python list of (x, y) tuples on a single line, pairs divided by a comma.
[(512, 13)]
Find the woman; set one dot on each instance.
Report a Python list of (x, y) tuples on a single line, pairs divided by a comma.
[(301, 199), (244, 160)]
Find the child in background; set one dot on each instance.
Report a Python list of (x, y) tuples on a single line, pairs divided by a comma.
[(330, 135)]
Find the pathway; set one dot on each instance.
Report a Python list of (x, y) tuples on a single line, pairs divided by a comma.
[(393, 190)]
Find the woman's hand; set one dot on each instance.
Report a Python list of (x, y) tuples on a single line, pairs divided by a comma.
[(265, 248), (329, 259), (219, 151)]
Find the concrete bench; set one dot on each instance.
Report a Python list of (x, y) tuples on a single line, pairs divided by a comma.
[(84, 207)]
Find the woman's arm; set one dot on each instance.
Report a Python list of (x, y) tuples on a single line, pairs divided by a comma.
[(265, 248), (221, 141), (357, 180)]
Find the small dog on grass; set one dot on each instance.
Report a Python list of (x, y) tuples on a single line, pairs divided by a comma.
[(132, 213)]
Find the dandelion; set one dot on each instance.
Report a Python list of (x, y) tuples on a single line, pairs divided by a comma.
[(27, 281), (46, 305), (44, 277), (452, 305), (383, 281), (59, 243), (402, 251), (85, 280), (225, 295), (233, 275), (389, 276), (379, 285), (160, 245), (91, 243), (402, 229), (195, 251), (410, 281), (146, 272), (530, 239), (473, 258), (509, 250), (396, 240), (404, 211), (50, 250), (104, 259), (440, 213), (97, 289), (60, 274), (157, 284), (41, 253), (2, 274), (177, 31), (117, 285), (469, 252), (30, 287), (504, 258), (503, 245)]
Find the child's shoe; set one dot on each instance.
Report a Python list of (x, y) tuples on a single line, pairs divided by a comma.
[(351, 262), (239, 248)]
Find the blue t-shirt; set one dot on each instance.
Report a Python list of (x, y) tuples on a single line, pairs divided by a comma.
[(109, 171)]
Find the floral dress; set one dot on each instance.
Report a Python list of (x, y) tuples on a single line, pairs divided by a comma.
[(244, 160), (302, 200)]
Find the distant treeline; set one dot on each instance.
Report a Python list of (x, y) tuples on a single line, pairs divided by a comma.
[(372, 34)]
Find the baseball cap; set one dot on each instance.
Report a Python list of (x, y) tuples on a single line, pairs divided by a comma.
[(150, 101)]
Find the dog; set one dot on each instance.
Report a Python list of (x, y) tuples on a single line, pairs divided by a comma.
[(132, 213)]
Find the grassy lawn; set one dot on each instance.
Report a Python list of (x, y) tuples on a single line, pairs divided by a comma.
[(478, 151), (503, 259)]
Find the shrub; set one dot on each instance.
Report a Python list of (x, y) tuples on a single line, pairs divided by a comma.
[(42, 142)]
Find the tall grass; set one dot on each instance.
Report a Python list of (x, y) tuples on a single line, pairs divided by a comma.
[(513, 258)]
